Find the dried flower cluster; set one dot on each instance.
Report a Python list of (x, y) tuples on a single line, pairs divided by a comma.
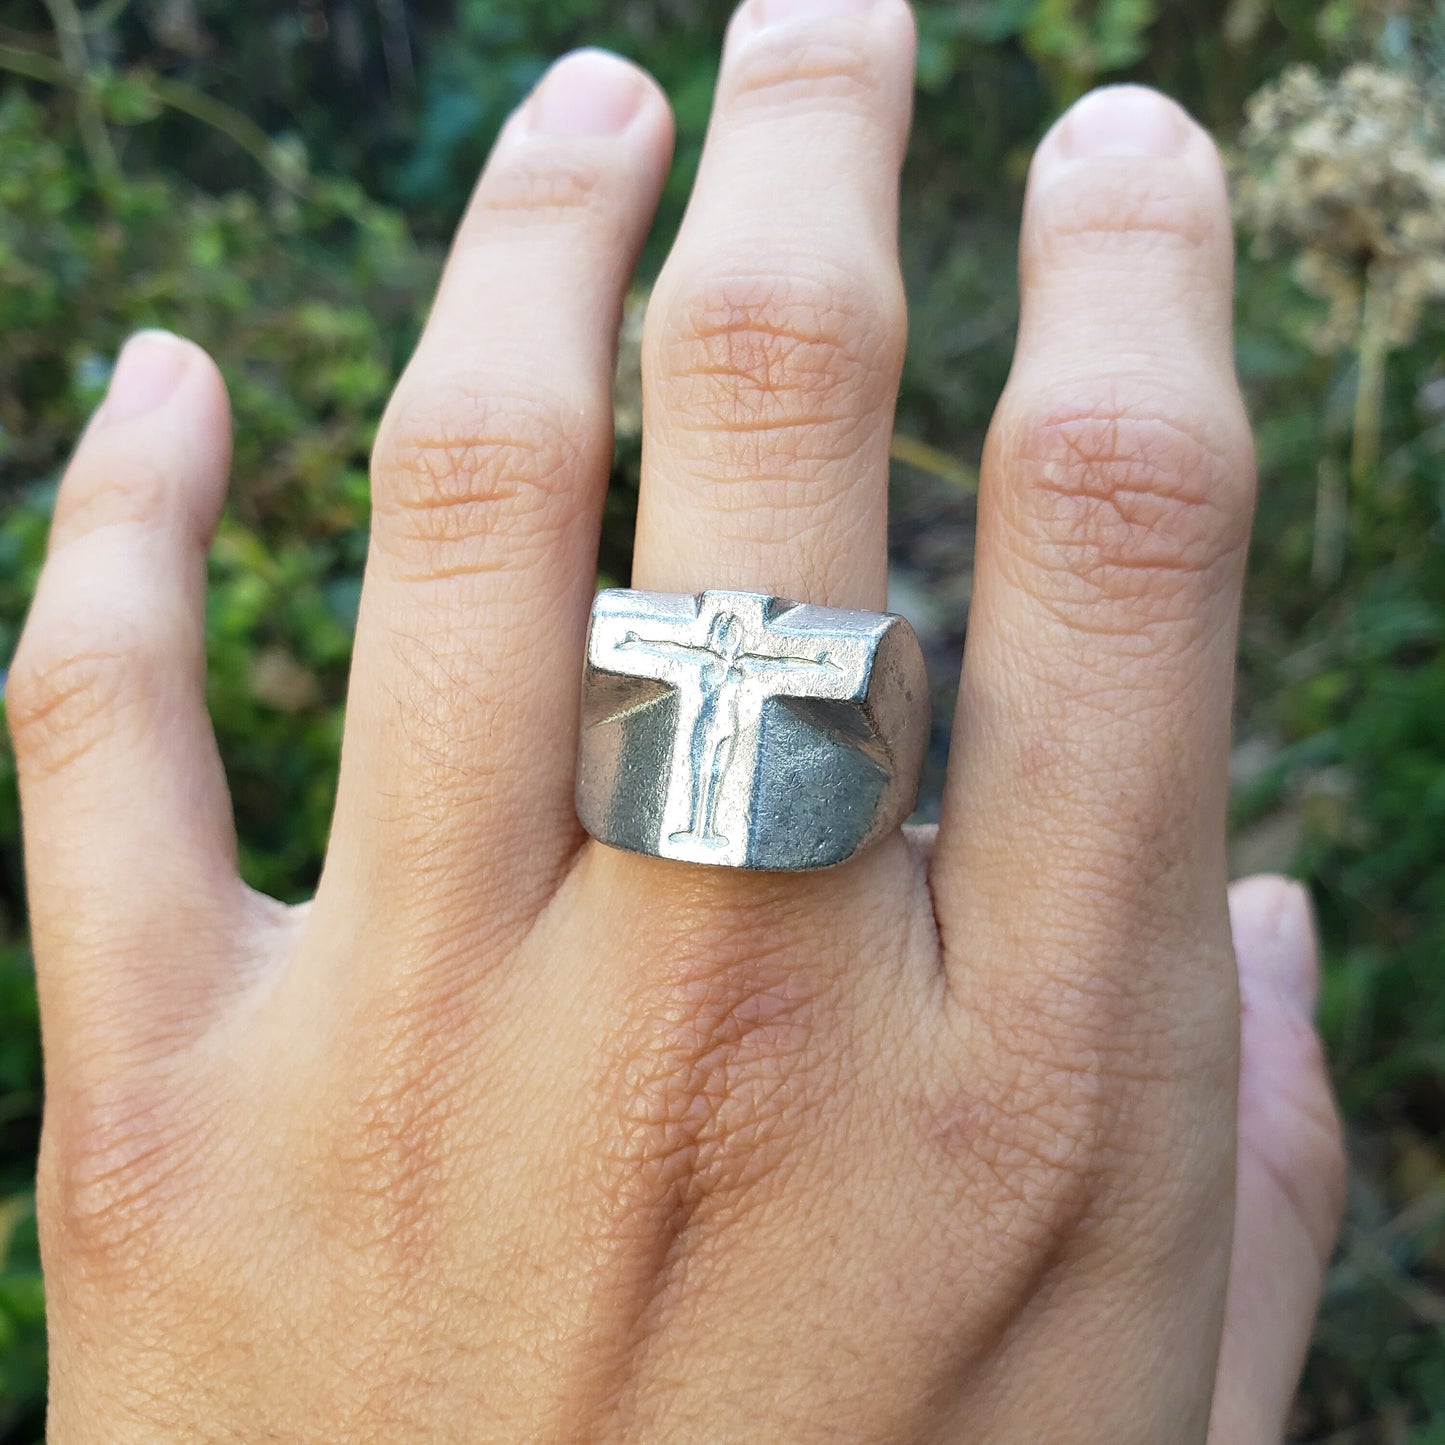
[(1351, 172)]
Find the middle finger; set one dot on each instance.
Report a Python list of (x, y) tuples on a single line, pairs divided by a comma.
[(775, 335)]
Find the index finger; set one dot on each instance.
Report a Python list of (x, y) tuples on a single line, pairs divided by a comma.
[(488, 480)]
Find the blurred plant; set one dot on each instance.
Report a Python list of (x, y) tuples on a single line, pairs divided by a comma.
[(1350, 173), (1078, 42), (1073, 42), (103, 97)]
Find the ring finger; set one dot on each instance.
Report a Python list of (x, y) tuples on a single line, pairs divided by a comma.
[(774, 339)]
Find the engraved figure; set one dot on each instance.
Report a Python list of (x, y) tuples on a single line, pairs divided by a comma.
[(723, 671)]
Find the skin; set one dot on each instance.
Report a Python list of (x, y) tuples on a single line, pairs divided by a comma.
[(508, 1136)]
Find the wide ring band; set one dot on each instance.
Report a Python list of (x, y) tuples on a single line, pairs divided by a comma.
[(748, 731)]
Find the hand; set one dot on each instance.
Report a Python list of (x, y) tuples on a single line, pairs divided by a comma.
[(510, 1137)]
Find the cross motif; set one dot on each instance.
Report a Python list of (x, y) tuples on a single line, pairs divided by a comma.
[(724, 657)]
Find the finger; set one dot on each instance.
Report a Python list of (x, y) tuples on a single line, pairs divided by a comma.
[(774, 338), (128, 834), (1290, 1185), (488, 479), (1084, 811)]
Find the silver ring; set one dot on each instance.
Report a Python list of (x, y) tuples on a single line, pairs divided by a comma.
[(748, 731)]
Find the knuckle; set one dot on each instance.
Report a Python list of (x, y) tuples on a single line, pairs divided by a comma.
[(1026, 1141), (1060, 1116), (550, 188), (118, 1169), (393, 1149), (718, 1077), (781, 72), (385, 1163), (1129, 502), (796, 363), (1138, 206), (72, 685), (480, 480), (138, 493)]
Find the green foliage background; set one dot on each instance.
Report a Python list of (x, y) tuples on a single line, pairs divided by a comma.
[(277, 180)]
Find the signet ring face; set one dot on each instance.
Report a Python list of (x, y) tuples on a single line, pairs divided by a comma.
[(748, 731)]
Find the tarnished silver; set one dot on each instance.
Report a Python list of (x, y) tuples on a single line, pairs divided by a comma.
[(748, 731)]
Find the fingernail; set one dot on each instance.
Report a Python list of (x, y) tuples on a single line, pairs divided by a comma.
[(1123, 120), (147, 371), (587, 93), (1297, 950), (779, 12)]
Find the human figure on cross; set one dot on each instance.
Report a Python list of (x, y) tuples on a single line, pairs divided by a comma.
[(723, 671)]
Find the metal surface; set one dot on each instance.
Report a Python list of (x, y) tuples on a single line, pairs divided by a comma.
[(747, 731)]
